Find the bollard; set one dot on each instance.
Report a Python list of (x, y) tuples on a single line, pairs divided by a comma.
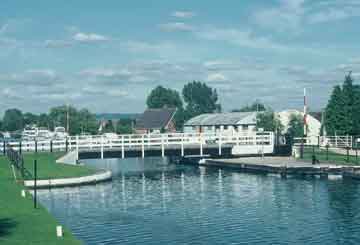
[(59, 231)]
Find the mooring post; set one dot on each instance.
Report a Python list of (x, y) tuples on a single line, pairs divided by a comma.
[(122, 147)]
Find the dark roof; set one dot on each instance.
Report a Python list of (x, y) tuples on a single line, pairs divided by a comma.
[(155, 118), (317, 115)]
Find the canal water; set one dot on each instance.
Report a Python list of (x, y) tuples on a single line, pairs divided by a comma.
[(153, 202)]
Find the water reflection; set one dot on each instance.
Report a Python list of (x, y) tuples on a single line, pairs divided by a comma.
[(155, 202)]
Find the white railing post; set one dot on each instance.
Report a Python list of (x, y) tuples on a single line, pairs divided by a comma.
[(220, 142), (77, 147), (142, 147), (122, 147), (102, 146), (182, 145), (162, 146), (201, 145)]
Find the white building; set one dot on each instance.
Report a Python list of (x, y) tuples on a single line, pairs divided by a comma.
[(232, 122)]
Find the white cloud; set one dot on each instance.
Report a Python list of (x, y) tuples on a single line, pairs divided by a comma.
[(176, 26), (334, 14), (89, 37), (239, 37), (216, 77), (183, 14), (286, 16)]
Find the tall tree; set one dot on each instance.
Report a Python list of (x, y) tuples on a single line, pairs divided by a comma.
[(296, 127), (161, 97), (200, 99), (13, 120), (30, 118), (124, 126)]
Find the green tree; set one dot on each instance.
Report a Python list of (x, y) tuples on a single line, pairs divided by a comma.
[(200, 99), (82, 121), (161, 97), (124, 126), (13, 120), (256, 106), (342, 111), (296, 127), (44, 120), (268, 121), (30, 118)]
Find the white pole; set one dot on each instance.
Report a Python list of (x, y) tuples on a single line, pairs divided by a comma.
[(162, 146), (182, 145), (220, 144), (122, 147), (142, 147), (201, 145), (102, 146)]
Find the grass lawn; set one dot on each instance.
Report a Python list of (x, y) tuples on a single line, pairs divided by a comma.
[(20, 223), (332, 157), (49, 169)]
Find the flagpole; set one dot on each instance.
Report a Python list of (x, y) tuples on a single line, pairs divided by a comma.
[(305, 114)]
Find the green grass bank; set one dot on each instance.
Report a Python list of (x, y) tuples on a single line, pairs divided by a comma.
[(20, 223)]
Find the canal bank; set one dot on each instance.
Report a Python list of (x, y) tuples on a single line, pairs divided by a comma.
[(20, 222), (283, 166)]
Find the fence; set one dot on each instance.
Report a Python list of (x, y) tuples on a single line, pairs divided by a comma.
[(17, 160), (142, 141), (330, 141)]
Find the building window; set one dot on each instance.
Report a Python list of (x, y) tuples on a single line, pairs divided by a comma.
[(217, 127), (209, 128), (225, 127), (245, 127)]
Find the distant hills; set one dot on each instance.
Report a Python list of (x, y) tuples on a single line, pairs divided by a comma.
[(117, 116)]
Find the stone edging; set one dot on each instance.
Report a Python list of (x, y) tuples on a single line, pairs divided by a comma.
[(63, 182)]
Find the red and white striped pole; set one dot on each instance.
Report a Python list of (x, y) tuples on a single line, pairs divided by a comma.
[(305, 114)]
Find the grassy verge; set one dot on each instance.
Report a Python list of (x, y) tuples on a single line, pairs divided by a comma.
[(330, 157), (49, 169), (20, 223)]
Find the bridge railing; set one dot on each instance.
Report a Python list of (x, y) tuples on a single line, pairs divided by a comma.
[(96, 142), (343, 141)]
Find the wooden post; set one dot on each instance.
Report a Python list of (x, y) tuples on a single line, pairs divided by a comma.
[(4, 148), (36, 149), (51, 146), (66, 145), (20, 150)]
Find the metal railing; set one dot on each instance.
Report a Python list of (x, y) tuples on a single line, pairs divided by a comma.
[(323, 141)]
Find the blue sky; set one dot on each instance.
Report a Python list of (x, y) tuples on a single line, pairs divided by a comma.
[(108, 55)]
